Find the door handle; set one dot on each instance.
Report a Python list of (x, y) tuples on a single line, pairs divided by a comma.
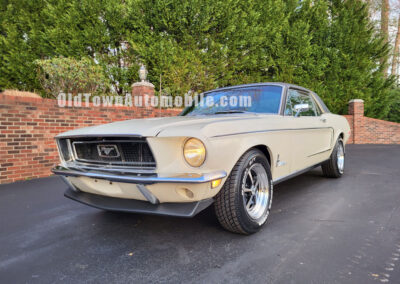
[(323, 119)]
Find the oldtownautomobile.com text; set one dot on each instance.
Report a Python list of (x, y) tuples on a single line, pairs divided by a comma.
[(87, 100)]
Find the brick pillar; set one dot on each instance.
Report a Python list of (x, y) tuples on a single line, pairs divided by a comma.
[(142, 88), (356, 109), (144, 91)]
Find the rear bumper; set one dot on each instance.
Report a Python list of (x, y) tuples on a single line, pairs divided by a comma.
[(139, 179), (187, 209)]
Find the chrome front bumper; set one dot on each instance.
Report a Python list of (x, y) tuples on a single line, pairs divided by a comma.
[(186, 209), (138, 179)]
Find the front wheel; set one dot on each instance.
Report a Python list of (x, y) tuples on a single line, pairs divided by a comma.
[(334, 167), (243, 204)]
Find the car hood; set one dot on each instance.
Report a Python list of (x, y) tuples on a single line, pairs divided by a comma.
[(167, 126)]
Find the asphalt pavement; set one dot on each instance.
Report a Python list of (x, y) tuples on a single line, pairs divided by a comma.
[(320, 230)]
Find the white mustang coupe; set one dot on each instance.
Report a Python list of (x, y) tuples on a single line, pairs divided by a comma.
[(210, 154)]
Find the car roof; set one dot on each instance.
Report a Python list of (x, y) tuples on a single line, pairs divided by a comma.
[(259, 84)]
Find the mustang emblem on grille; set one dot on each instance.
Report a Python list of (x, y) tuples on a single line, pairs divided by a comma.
[(108, 151)]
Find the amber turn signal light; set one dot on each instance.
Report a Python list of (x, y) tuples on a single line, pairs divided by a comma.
[(216, 183)]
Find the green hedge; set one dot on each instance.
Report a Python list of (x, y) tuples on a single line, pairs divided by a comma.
[(328, 46)]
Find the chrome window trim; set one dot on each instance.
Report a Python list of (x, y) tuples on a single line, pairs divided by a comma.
[(281, 102), (320, 103), (316, 104), (247, 85)]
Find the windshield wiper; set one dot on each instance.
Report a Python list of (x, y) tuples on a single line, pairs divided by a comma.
[(230, 111)]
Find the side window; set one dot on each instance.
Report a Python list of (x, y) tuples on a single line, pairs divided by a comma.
[(296, 97)]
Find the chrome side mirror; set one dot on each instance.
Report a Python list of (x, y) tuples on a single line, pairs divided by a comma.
[(300, 108)]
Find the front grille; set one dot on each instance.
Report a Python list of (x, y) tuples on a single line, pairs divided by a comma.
[(132, 152)]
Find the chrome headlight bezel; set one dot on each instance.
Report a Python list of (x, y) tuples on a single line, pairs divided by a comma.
[(190, 147)]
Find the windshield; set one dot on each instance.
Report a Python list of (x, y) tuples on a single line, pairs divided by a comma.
[(257, 99)]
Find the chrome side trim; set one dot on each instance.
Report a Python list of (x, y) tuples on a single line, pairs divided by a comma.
[(138, 179), (269, 130), (296, 173), (147, 194), (319, 152)]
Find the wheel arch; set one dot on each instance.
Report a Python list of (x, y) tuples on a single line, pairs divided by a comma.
[(226, 160), (265, 150), (337, 134), (341, 136)]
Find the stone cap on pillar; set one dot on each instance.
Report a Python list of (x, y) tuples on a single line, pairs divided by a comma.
[(143, 84), (356, 101), (356, 107), (142, 88)]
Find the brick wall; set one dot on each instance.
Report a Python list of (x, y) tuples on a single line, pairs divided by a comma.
[(366, 130), (28, 126)]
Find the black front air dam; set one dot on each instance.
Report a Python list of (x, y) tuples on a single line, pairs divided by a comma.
[(188, 209)]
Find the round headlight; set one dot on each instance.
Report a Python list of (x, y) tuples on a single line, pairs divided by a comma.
[(194, 152)]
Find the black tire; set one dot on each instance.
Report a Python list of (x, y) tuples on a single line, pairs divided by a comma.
[(230, 207), (331, 168)]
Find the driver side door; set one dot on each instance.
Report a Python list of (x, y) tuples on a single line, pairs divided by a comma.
[(310, 136)]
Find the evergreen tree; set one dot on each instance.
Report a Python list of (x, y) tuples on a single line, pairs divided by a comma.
[(328, 46), (354, 51)]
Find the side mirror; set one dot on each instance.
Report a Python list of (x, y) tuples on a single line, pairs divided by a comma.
[(300, 108)]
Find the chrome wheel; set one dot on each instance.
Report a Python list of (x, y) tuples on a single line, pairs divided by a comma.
[(255, 191), (340, 157)]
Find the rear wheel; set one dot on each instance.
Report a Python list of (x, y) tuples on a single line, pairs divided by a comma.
[(334, 167), (243, 203)]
